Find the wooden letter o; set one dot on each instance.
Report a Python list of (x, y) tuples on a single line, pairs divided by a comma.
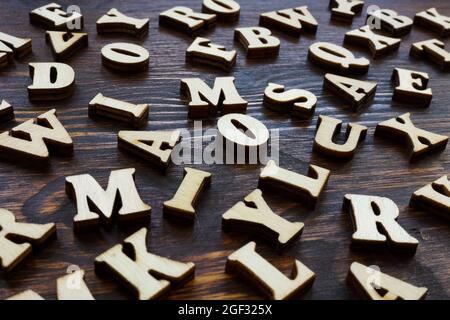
[(125, 57)]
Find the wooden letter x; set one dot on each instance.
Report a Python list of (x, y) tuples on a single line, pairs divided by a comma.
[(422, 141)]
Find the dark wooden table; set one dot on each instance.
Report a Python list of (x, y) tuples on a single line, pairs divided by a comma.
[(380, 167)]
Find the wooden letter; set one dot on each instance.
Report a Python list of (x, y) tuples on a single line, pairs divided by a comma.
[(205, 101), (433, 50), (17, 239), (242, 137), (6, 111), (51, 17), (258, 42), (140, 270), (73, 287), (26, 295), (51, 81), (115, 21), (30, 140), (376, 43), (64, 44), (134, 114), (356, 92), (432, 20), (186, 20), (411, 87), (345, 10), (153, 146), (375, 285), (300, 103), (307, 187), (328, 127), (10, 45), (249, 264), (226, 10), (256, 216), (181, 204), (203, 51), (422, 141), (435, 197), (336, 58), (292, 21), (392, 22), (124, 56), (92, 200), (372, 214)]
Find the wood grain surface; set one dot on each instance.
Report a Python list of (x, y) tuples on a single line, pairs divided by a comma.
[(380, 167)]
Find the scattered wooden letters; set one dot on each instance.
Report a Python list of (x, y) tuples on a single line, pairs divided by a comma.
[(150, 276)]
